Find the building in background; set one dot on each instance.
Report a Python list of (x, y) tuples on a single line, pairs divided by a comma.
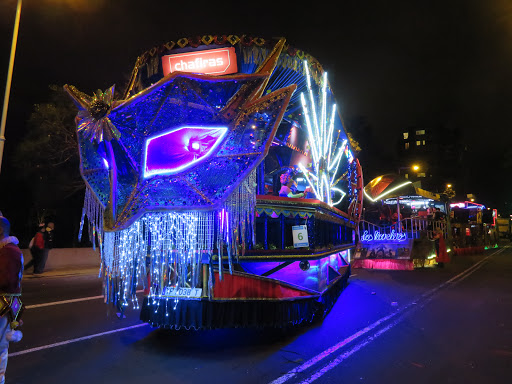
[(440, 154)]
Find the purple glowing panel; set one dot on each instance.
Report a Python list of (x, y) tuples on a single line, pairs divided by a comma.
[(174, 151)]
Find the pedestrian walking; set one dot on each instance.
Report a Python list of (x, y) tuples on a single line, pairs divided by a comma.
[(36, 246), (11, 273)]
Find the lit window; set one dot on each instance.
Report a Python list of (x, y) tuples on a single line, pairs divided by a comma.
[(421, 174), (406, 175), (423, 142), (420, 132), (406, 135), (406, 145), (418, 143)]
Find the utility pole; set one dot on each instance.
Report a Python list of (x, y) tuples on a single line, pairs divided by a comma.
[(9, 80)]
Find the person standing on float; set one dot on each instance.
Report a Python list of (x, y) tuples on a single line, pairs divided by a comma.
[(441, 251)]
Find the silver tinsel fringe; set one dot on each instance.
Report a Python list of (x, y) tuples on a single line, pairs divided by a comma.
[(170, 247), (93, 210)]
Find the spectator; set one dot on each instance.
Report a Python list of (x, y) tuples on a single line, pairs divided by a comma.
[(48, 236), (36, 247)]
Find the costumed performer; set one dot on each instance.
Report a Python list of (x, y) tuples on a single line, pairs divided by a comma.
[(287, 183), (11, 273), (441, 252)]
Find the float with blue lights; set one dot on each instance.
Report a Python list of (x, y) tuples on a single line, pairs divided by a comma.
[(182, 174)]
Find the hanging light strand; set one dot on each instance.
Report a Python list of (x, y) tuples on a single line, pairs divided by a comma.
[(169, 247)]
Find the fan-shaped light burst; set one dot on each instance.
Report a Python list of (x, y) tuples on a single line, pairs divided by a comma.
[(326, 151)]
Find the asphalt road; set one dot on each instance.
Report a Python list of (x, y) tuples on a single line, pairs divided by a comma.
[(431, 325)]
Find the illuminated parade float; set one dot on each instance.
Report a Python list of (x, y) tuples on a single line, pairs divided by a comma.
[(222, 181), (399, 235)]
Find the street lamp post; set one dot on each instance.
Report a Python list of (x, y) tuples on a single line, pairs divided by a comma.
[(9, 80)]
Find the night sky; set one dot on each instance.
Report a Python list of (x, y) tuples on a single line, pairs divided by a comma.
[(397, 63)]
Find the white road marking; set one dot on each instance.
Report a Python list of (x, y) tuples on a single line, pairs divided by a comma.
[(425, 297), (75, 340), (72, 340), (345, 355), (307, 364), (63, 302), (68, 301)]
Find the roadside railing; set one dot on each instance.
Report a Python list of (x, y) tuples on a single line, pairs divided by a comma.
[(412, 227)]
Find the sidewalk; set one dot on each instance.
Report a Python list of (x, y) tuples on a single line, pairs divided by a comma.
[(66, 262)]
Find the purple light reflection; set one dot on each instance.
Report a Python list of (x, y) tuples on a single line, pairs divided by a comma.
[(176, 150)]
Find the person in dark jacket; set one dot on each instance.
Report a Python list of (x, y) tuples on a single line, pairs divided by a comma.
[(11, 273), (37, 245), (48, 244)]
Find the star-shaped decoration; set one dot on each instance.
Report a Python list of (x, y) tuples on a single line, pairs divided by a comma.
[(93, 113)]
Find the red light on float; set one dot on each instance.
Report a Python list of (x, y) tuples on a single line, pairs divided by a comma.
[(220, 61)]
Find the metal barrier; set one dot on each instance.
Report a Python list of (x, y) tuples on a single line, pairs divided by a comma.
[(413, 227)]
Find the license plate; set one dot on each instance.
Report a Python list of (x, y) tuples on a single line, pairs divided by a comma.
[(194, 293)]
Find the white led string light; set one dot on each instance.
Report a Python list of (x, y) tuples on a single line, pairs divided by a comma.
[(169, 248), (325, 164)]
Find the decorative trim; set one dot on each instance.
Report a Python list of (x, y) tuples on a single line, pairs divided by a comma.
[(254, 50)]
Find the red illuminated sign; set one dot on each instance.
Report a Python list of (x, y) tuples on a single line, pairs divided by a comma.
[(220, 61)]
